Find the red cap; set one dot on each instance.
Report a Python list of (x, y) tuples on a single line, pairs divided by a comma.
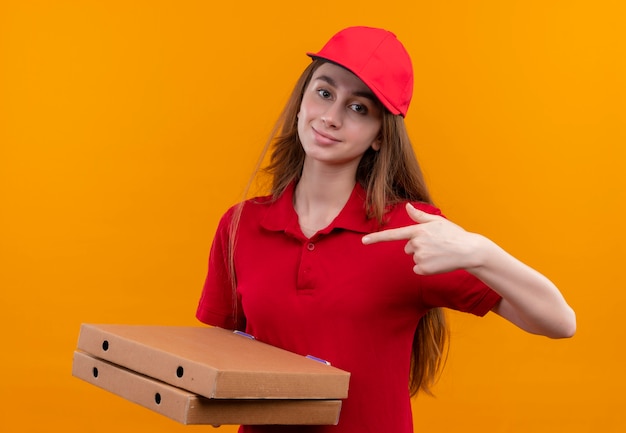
[(379, 59)]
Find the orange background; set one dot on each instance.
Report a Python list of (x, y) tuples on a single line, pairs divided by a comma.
[(127, 128)]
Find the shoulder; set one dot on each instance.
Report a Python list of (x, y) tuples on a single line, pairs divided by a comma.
[(252, 207), (253, 204)]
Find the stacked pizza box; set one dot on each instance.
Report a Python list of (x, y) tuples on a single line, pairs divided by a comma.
[(208, 375)]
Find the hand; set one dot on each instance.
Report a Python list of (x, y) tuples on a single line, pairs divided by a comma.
[(436, 244)]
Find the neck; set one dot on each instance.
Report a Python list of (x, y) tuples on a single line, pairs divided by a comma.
[(319, 197)]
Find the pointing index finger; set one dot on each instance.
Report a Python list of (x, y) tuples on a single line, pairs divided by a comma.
[(402, 233)]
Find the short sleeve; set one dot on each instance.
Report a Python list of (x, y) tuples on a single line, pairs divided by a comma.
[(218, 302), (458, 290)]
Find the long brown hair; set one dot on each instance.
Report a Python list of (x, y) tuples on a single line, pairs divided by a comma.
[(389, 176)]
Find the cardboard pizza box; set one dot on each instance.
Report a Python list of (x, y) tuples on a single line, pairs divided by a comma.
[(214, 362), (188, 408)]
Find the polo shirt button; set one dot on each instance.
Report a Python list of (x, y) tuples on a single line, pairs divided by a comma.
[(310, 246)]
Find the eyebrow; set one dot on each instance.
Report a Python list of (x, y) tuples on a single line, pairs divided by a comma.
[(363, 93)]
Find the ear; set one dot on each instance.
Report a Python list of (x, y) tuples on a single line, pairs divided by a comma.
[(376, 145)]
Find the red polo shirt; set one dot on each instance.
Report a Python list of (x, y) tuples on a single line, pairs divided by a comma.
[(354, 305)]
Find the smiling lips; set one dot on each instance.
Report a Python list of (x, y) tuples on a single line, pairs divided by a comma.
[(322, 138)]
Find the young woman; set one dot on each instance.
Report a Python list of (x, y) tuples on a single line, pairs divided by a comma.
[(347, 259)]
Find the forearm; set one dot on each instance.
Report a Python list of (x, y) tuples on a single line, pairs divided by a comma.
[(529, 299)]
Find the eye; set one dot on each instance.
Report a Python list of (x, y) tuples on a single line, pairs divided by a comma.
[(359, 108), (325, 94)]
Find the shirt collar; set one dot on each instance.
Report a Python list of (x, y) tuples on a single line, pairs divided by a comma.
[(281, 215)]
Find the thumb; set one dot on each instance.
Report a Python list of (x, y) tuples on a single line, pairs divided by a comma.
[(419, 216)]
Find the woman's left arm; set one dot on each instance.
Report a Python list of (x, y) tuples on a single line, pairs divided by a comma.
[(529, 299)]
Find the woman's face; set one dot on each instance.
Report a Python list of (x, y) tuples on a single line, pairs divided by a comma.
[(339, 118)]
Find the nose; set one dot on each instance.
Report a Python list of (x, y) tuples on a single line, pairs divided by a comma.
[(331, 117)]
